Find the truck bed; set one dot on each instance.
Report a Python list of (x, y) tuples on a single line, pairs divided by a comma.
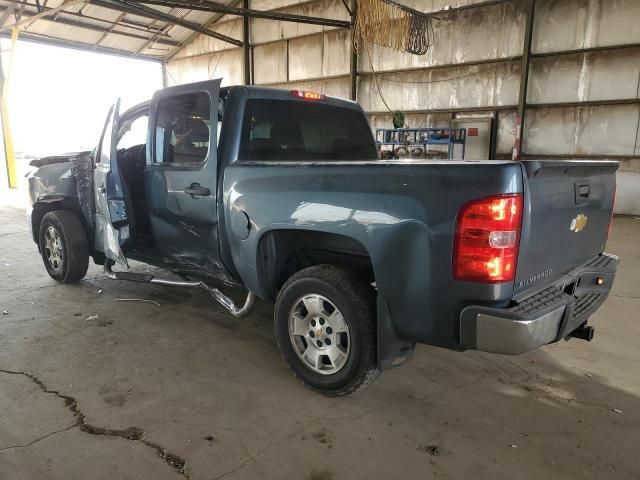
[(404, 212)]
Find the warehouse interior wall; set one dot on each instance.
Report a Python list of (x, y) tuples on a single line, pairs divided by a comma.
[(584, 80)]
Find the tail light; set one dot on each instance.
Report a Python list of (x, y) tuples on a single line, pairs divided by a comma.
[(487, 238)]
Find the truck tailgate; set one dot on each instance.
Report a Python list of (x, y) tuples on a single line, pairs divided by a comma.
[(568, 206)]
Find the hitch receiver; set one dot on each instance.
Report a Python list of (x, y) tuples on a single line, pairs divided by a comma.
[(583, 333)]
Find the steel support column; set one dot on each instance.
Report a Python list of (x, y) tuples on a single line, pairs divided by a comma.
[(165, 80), (246, 40), (524, 79), (9, 153), (353, 72), (493, 141)]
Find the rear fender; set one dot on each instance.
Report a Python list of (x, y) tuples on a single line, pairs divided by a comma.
[(403, 214), (282, 252)]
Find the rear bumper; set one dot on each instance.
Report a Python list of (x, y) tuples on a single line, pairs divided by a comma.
[(542, 318)]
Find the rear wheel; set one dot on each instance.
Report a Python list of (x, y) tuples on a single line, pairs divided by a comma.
[(324, 322), (63, 246)]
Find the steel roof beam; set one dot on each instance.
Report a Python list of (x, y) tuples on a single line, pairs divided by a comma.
[(144, 11), (74, 23), (125, 23), (6, 14), (110, 29), (215, 19), (85, 47), (165, 29), (208, 6)]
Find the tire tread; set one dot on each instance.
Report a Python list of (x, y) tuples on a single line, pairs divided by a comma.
[(75, 242), (361, 296)]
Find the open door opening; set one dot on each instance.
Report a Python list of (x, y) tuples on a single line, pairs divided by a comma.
[(156, 182), (131, 158), (111, 221)]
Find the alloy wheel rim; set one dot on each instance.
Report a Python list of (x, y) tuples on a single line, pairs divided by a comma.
[(319, 334), (53, 248)]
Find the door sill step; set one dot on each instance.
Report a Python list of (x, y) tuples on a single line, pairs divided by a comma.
[(217, 295)]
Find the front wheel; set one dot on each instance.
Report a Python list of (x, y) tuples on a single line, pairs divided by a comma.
[(325, 328), (64, 246)]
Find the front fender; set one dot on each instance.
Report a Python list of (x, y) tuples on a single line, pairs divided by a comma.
[(66, 183)]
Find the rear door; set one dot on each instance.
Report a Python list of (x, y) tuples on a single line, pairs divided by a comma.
[(181, 177), (111, 222), (569, 207)]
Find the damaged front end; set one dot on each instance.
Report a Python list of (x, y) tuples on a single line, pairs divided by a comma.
[(61, 182)]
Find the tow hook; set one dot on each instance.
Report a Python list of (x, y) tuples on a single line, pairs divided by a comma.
[(583, 333), (217, 295)]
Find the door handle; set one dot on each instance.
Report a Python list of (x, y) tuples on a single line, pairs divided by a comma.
[(582, 192), (197, 190)]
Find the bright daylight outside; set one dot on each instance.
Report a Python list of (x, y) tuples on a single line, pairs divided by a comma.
[(58, 100)]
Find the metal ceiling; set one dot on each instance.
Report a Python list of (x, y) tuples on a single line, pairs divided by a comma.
[(153, 29)]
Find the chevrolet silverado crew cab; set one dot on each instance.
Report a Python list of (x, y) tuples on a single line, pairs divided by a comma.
[(281, 193)]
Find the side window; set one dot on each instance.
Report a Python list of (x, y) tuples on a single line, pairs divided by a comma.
[(261, 131), (105, 141), (220, 115), (133, 132), (182, 129)]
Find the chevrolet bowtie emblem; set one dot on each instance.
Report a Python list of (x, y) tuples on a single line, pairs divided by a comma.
[(578, 223)]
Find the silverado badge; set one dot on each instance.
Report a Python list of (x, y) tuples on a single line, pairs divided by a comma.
[(578, 223)]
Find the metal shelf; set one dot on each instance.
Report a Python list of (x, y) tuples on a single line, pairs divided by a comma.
[(419, 139)]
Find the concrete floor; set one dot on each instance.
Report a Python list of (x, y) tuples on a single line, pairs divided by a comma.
[(92, 387)]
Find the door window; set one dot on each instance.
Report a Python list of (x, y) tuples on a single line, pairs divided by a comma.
[(182, 129), (104, 148), (133, 132)]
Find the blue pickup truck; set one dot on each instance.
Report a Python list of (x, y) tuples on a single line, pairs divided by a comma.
[(281, 193)]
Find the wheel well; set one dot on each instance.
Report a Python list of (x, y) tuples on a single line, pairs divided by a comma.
[(42, 208), (281, 253), (39, 211)]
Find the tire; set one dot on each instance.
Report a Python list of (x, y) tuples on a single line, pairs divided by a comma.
[(68, 260), (352, 340)]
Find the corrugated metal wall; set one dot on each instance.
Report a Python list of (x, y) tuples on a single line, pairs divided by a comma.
[(584, 89)]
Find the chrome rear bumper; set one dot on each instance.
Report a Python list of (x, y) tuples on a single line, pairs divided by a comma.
[(545, 317), (489, 332)]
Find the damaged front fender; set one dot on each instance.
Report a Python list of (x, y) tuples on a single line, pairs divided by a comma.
[(61, 182)]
